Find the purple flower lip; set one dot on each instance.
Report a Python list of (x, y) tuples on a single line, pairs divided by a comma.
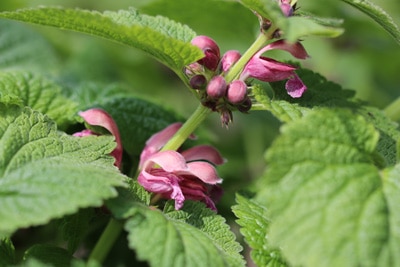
[(210, 50)]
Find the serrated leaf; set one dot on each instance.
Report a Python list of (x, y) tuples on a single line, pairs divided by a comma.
[(7, 252), (329, 204), (123, 206), (377, 14), (254, 222), (49, 254), (45, 174), (194, 236), (38, 93), (320, 93), (20, 46), (160, 37), (389, 133), (137, 120)]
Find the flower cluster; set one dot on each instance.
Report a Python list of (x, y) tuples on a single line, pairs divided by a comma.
[(189, 174), (207, 76)]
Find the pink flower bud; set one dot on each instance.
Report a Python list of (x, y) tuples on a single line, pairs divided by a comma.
[(210, 49), (216, 88), (245, 106), (229, 58), (286, 8), (198, 82), (236, 92)]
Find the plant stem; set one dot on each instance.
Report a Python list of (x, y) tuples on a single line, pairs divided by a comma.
[(393, 110), (237, 68), (187, 128), (106, 241)]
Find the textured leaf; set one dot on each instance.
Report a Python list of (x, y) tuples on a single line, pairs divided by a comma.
[(38, 93), (45, 174), (49, 254), (74, 228), (320, 93), (329, 204), (7, 252), (195, 236), (377, 14), (21, 46), (137, 120), (166, 40), (254, 222), (123, 206)]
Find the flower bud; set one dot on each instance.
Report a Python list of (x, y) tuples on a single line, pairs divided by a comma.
[(198, 82), (236, 92), (229, 58), (210, 49), (286, 8), (216, 88), (245, 106)]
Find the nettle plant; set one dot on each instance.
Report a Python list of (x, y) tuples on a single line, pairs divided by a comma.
[(87, 170)]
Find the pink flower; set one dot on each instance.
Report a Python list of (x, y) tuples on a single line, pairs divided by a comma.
[(99, 117), (180, 176), (269, 70)]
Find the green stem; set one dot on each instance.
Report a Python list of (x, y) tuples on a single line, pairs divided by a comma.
[(237, 68), (393, 110), (187, 128), (106, 241)]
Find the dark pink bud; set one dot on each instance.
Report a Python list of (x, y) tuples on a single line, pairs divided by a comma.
[(210, 49), (226, 117), (216, 88), (245, 106), (229, 58), (198, 82), (236, 92)]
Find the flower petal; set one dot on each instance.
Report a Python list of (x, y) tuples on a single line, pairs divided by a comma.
[(204, 171), (203, 152), (267, 70), (99, 117), (157, 141), (295, 86), (296, 49), (169, 161)]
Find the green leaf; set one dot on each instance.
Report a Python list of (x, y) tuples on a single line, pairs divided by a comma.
[(74, 228), (49, 254), (377, 14), (21, 46), (45, 174), (329, 204), (268, 9), (254, 222), (320, 93), (389, 133), (123, 206), (194, 236), (166, 40), (38, 93), (298, 27), (7, 252), (137, 120)]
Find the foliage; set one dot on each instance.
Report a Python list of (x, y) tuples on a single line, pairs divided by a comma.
[(325, 193)]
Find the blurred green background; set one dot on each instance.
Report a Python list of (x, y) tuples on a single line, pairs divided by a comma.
[(365, 59)]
